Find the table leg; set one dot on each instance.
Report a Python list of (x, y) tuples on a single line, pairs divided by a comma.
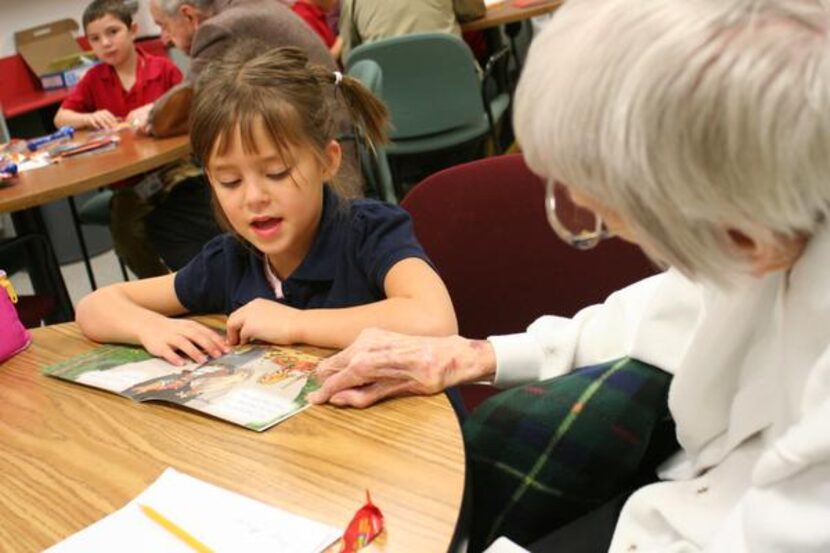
[(81, 242)]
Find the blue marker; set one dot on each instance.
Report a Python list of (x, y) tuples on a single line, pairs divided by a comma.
[(9, 169), (60, 134)]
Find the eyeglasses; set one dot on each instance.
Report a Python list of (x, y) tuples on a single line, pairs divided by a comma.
[(577, 226)]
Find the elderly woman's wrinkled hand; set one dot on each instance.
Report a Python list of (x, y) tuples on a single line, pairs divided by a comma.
[(383, 364)]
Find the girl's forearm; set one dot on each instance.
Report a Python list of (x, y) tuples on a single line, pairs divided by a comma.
[(108, 315)]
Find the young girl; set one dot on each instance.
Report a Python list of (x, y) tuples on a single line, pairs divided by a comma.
[(300, 265)]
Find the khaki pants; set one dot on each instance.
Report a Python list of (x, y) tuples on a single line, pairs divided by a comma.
[(128, 223)]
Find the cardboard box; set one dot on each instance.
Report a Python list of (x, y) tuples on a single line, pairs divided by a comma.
[(53, 54)]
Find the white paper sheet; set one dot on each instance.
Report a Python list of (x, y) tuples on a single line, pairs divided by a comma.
[(220, 519)]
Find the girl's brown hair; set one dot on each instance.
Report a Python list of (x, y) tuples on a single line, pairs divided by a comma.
[(295, 101)]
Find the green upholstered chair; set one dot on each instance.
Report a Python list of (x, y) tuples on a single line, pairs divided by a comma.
[(434, 91), (96, 210), (375, 165)]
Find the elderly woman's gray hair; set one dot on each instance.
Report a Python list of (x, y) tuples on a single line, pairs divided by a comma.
[(171, 6), (688, 118)]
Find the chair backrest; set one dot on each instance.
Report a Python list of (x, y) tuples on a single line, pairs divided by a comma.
[(369, 73), (375, 166), (429, 82), (483, 224)]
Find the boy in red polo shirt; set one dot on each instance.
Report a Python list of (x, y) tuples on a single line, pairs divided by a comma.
[(314, 13), (122, 88)]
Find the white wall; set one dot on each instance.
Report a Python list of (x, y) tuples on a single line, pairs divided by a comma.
[(23, 14)]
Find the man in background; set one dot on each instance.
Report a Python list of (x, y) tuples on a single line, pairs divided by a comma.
[(203, 29), (370, 20)]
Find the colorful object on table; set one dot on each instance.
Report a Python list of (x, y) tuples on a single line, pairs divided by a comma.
[(365, 526), (8, 170), (74, 148), (8, 173), (63, 133)]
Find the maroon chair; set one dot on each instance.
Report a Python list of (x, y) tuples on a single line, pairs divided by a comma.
[(34, 310), (484, 227)]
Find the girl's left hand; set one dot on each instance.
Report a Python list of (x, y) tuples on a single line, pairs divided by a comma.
[(263, 320)]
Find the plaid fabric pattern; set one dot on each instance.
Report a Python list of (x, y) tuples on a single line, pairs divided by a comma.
[(545, 453)]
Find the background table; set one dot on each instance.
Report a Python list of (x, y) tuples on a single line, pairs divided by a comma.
[(133, 156), (508, 12), (71, 455)]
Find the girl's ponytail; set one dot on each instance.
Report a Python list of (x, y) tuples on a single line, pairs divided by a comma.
[(365, 109)]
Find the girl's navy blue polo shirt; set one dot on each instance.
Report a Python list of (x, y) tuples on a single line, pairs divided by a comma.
[(356, 245)]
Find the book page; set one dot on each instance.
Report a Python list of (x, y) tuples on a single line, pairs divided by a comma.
[(220, 519), (254, 385), (113, 368), (121, 378)]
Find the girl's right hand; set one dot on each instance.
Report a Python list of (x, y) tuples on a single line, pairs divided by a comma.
[(177, 339), (102, 119)]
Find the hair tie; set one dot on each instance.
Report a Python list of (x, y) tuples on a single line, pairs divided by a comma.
[(338, 78)]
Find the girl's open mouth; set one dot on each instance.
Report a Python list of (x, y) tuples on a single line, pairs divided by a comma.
[(266, 227)]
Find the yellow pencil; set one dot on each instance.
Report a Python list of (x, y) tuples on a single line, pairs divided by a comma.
[(174, 529)]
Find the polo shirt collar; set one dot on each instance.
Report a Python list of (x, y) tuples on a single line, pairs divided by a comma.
[(144, 70), (320, 262)]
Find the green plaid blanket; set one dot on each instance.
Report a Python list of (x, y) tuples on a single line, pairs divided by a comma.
[(543, 454)]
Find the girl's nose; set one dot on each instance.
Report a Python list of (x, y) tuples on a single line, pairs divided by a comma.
[(256, 194)]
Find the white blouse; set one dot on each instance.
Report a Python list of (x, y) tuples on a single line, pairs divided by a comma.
[(750, 396)]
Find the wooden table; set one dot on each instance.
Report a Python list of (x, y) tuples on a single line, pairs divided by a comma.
[(71, 455), (133, 156), (507, 12)]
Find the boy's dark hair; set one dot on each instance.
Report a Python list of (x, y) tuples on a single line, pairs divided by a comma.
[(120, 9)]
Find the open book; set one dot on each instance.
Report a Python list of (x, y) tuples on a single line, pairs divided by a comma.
[(255, 386)]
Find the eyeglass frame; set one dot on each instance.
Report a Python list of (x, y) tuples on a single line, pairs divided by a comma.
[(583, 241)]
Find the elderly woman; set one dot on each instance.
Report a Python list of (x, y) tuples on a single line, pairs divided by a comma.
[(699, 129)]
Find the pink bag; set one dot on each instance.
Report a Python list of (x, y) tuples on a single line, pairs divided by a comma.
[(13, 336)]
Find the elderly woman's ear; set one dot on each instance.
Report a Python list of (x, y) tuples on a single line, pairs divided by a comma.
[(766, 256)]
